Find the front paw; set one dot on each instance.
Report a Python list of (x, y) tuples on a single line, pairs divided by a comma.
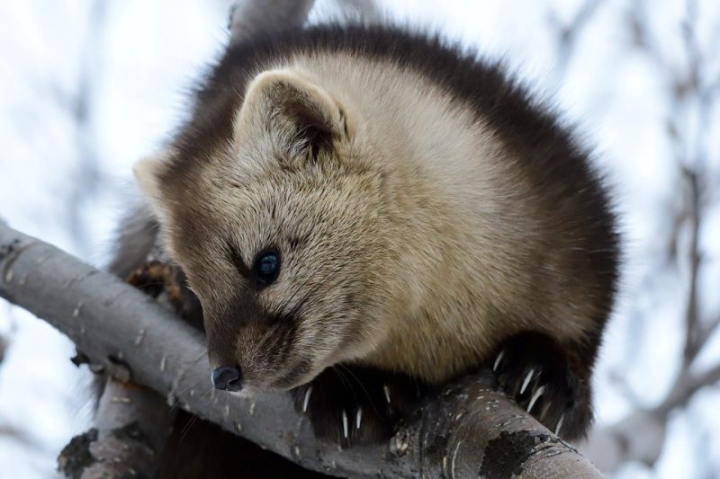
[(536, 371), (351, 405)]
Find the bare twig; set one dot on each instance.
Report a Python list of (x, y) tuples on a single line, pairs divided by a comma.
[(710, 328), (567, 34), (250, 17), (4, 343), (641, 435), (20, 436), (87, 178), (361, 10), (693, 340), (685, 387)]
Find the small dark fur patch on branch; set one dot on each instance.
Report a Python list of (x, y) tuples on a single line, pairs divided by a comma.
[(505, 456)]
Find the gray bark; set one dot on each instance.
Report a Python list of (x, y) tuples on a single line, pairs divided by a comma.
[(132, 426)]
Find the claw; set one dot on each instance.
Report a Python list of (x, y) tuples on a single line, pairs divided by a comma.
[(559, 425), (527, 380), (307, 399), (498, 360), (387, 393), (345, 424), (535, 397), (358, 418)]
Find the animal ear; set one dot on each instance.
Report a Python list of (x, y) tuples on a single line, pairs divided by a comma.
[(288, 102), (146, 172)]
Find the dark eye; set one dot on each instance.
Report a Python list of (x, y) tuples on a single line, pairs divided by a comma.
[(266, 267)]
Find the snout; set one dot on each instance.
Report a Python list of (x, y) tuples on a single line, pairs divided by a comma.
[(227, 378)]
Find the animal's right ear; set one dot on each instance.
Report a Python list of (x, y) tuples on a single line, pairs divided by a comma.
[(146, 172), (295, 106)]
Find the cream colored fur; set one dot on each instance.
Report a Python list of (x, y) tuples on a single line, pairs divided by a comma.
[(418, 214)]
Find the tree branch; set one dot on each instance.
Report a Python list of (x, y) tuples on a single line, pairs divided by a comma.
[(132, 426), (567, 34), (4, 343), (641, 435), (249, 17), (469, 429)]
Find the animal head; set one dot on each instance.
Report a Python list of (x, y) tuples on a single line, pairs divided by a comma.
[(280, 230)]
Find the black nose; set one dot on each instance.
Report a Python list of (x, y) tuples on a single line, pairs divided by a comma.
[(227, 378)]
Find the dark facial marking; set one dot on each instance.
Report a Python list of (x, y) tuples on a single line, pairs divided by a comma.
[(299, 369), (237, 260)]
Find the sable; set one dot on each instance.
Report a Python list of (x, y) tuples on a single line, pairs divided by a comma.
[(448, 221)]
